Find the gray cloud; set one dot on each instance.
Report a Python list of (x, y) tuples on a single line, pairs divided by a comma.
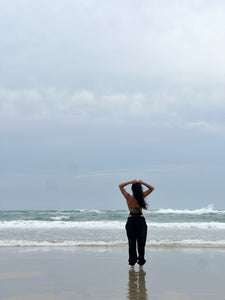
[(95, 45), (201, 112), (92, 88)]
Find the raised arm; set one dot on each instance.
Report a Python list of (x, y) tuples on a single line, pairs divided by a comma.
[(122, 185), (149, 190)]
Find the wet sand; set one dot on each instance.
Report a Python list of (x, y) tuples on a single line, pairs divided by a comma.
[(102, 273)]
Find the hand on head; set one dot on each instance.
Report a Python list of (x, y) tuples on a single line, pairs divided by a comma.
[(135, 181)]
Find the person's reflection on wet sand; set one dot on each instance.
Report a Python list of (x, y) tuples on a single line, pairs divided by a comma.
[(136, 285)]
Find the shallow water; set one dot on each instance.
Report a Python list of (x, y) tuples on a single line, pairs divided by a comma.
[(201, 227)]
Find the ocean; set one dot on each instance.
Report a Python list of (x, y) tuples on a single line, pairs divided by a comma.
[(69, 228)]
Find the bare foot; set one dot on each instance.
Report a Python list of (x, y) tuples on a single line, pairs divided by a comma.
[(132, 268), (141, 267)]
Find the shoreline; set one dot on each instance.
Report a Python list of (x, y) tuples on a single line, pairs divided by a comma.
[(97, 273), (113, 246)]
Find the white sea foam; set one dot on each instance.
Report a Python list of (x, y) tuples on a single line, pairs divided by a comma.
[(189, 225), (91, 211), (58, 218), (207, 210), (25, 243), (183, 242), (186, 242), (109, 225), (23, 224)]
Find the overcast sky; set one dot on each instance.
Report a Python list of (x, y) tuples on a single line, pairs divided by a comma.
[(94, 93)]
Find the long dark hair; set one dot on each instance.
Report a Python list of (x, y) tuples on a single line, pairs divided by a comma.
[(138, 194)]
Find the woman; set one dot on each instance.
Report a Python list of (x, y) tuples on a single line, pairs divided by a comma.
[(136, 226)]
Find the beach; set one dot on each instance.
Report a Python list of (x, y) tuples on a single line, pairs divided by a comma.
[(64, 273)]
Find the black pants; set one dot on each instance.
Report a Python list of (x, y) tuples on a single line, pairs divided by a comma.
[(136, 228)]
